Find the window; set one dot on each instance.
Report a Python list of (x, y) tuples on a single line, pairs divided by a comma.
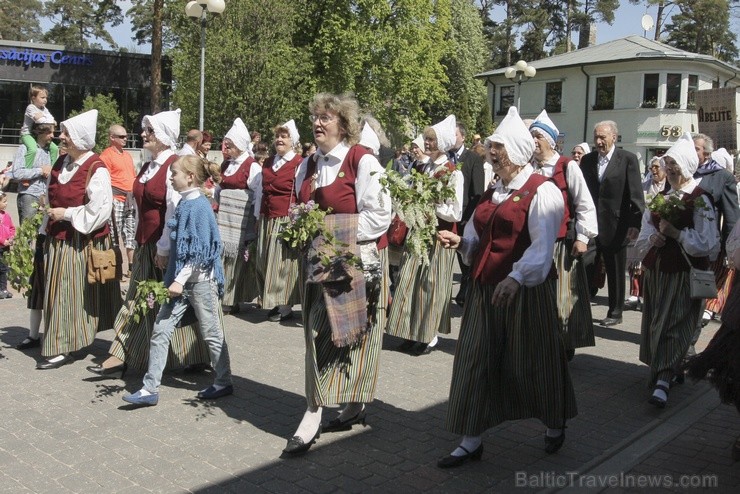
[(650, 85), (604, 93), (553, 96), (693, 88), (673, 91), (506, 99)]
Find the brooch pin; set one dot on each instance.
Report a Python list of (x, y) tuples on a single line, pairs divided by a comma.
[(341, 174), (516, 199)]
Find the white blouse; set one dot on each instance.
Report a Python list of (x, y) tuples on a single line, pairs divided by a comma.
[(702, 240), (544, 218), (587, 226), (373, 203)]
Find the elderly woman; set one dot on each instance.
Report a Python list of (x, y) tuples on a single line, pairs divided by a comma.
[(343, 337), (578, 227), (689, 239), (510, 362), (421, 304), (80, 202), (238, 195), (155, 203), (579, 150), (279, 265)]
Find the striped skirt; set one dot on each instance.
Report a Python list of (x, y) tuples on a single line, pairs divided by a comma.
[(574, 304), (421, 303), (278, 266), (131, 343), (341, 375), (75, 310), (724, 276), (509, 363), (240, 279), (669, 318)]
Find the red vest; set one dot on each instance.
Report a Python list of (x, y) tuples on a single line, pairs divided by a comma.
[(339, 195), (238, 180), (71, 194), (559, 179), (503, 232), (444, 224), (671, 257), (151, 199), (278, 187)]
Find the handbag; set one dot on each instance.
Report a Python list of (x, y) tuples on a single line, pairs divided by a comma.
[(397, 232), (103, 265), (702, 284)]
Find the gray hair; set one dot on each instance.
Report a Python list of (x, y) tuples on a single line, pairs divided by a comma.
[(608, 123), (708, 142)]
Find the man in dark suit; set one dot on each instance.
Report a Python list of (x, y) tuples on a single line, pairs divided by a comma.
[(614, 180), (473, 188)]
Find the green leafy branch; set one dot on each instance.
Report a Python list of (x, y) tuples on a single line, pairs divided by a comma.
[(670, 207), (149, 293), (19, 258)]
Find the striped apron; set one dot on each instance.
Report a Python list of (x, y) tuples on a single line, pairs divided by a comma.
[(574, 302), (278, 266)]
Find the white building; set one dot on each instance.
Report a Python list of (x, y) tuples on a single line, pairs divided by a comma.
[(647, 87)]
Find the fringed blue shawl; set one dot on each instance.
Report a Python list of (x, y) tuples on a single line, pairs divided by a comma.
[(195, 240)]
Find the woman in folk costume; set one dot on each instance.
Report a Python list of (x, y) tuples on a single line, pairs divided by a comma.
[(669, 314), (579, 150), (80, 202), (720, 361), (510, 362), (279, 264), (238, 195), (578, 227), (344, 332), (421, 305), (155, 201)]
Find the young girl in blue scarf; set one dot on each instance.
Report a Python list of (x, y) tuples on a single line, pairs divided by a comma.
[(194, 277)]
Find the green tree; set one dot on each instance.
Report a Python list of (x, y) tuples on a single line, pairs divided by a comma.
[(108, 114), (76, 22), (142, 16), (19, 20), (703, 26)]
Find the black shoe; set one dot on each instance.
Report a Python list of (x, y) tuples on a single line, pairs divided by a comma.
[(678, 378), (337, 425), (570, 353), (656, 401), (450, 461), (195, 368), (29, 343), (611, 321), (553, 444), (296, 446), (5, 294), (46, 364), (274, 314), (286, 317), (460, 301), (422, 349), (406, 346), (115, 372), (234, 309)]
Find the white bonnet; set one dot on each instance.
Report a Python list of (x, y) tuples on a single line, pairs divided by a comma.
[(81, 129), (515, 137), (239, 135), (166, 125)]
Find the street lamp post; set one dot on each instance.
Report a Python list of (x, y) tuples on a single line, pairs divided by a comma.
[(198, 9), (520, 72)]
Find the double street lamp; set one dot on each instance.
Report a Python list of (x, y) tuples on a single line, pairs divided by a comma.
[(520, 72), (198, 9)]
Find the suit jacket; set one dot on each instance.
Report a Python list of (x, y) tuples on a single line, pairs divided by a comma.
[(720, 185), (618, 198), (474, 178)]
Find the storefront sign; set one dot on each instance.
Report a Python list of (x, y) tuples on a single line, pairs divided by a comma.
[(32, 58), (716, 111)]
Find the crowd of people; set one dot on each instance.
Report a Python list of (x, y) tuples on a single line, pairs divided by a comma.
[(534, 232)]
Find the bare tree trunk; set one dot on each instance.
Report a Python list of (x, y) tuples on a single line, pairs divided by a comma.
[(509, 44), (659, 20), (156, 68), (568, 24)]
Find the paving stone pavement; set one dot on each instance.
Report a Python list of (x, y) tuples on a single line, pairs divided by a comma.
[(67, 430)]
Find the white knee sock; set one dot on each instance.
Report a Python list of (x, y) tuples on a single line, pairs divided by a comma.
[(310, 424), (34, 323), (471, 443), (659, 393), (434, 342), (351, 410)]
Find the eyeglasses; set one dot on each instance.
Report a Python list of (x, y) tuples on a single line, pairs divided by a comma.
[(324, 118), (148, 130)]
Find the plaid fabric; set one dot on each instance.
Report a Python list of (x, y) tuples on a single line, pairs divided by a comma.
[(124, 223), (236, 221), (343, 285)]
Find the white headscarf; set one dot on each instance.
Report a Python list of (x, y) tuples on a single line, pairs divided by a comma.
[(515, 137), (239, 135), (166, 125), (546, 127), (723, 159), (684, 154), (81, 129), (292, 131), (446, 131), (369, 139), (419, 141), (584, 145)]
